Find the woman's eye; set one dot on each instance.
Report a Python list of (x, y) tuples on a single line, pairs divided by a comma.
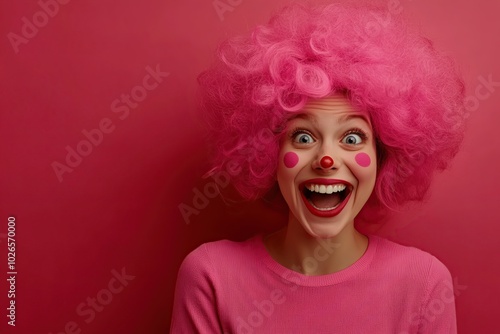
[(352, 139), (303, 138)]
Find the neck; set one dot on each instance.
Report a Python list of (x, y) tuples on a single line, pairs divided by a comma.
[(295, 249)]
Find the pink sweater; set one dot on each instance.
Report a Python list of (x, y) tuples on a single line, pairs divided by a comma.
[(237, 287)]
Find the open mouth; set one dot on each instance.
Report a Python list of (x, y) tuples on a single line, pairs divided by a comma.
[(325, 197)]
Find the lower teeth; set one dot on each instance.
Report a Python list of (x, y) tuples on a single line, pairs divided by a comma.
[(325, 209)]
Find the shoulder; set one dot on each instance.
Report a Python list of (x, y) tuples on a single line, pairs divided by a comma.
[(202, 283), (212, 257), (415, 274), (411, 261), (419, 281)]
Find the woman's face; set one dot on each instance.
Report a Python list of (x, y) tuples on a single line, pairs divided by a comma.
[(325, 198)]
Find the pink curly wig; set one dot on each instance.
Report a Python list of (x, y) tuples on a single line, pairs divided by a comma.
[(413, 93)]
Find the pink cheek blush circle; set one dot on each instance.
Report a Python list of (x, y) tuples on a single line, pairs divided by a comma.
[(291, 159), (363, 159)]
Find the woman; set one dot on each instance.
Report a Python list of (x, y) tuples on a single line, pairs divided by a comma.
[(362, 111)]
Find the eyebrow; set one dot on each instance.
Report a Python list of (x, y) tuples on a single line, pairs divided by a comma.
[(342, 119), (345, 118), (301, 115)]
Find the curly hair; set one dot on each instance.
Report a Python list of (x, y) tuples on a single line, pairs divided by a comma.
[(413, 93)]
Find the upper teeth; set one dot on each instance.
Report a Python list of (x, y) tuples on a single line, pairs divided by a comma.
[(324, 189)]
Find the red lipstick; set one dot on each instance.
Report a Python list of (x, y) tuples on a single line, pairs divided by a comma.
[(323, 181)]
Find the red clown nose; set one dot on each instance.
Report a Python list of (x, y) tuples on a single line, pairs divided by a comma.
[(326, 162)]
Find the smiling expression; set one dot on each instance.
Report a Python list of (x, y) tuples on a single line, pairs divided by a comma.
[(323, 197)]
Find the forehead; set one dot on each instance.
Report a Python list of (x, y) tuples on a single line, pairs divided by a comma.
[(336, 106)]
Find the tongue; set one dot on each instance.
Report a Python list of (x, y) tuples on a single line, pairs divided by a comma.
[(324, 201)]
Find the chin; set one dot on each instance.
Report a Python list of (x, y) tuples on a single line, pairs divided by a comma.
[(326, 227), (324, 230)]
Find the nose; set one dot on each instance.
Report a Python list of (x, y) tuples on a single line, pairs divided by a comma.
[(324, 162), (326, 157)]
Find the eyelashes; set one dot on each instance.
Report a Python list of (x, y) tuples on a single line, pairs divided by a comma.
[(354, 131), (296, 131), (301, 136)]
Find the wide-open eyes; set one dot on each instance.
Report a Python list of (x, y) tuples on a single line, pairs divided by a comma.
[(302, 137), (354, 137), (351, 138)]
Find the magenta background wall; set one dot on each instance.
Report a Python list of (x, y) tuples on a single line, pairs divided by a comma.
[(98, 243)]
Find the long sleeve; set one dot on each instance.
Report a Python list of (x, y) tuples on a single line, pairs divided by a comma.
[(438, 308), (194, 309)]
